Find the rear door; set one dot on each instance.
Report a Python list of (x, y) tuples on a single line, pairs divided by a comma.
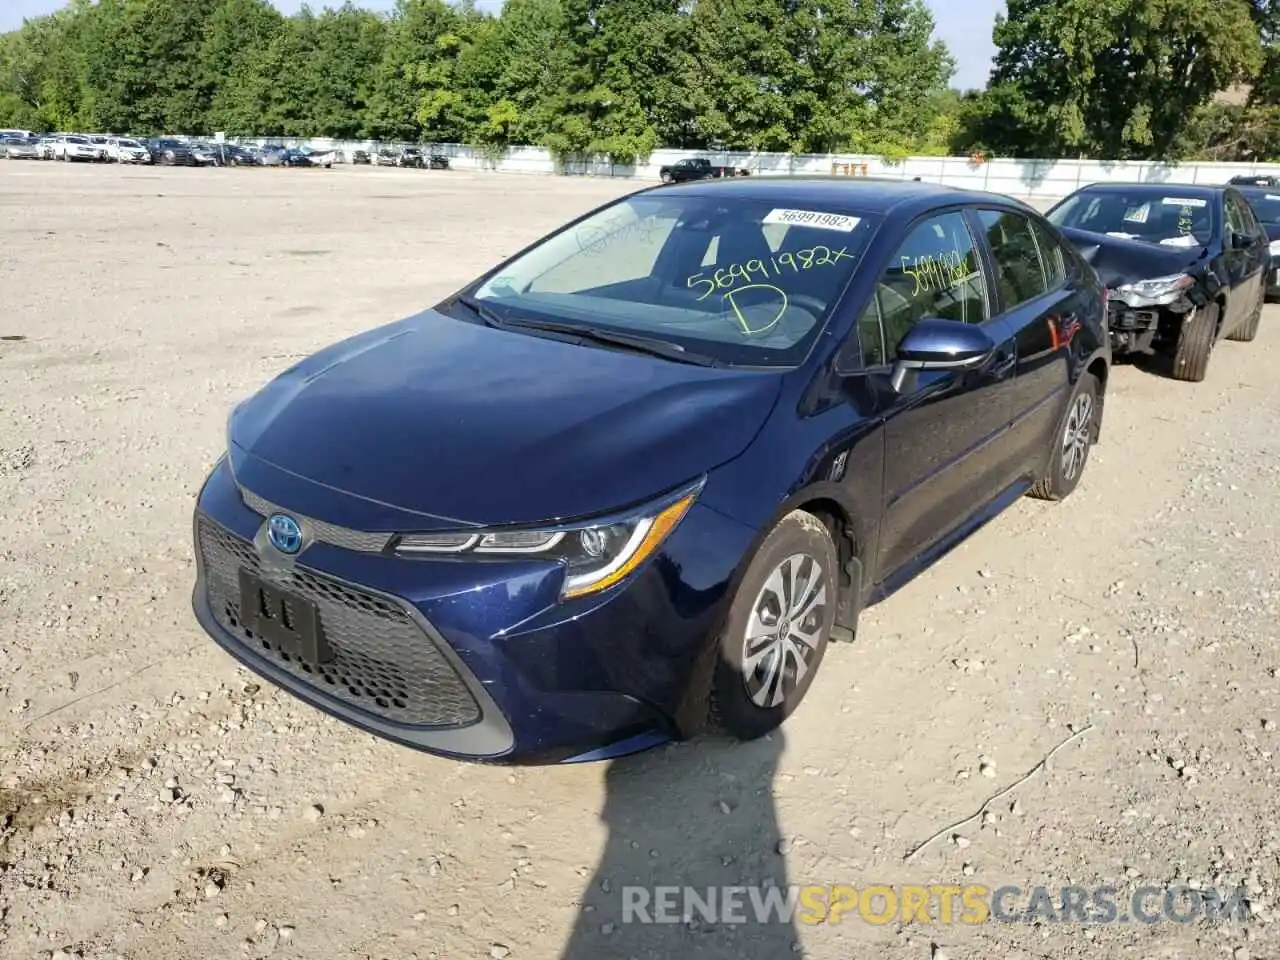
[(1260, 253), (942, 462), (1034, 297), (1237, 263)]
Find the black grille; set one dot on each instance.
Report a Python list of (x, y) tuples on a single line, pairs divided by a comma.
[(382, 662)]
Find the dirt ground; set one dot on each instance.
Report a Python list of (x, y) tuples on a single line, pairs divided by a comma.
[(157, 802)]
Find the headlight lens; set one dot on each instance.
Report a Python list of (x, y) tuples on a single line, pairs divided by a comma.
[(1156, 292), (595, 555), (1275, 248)]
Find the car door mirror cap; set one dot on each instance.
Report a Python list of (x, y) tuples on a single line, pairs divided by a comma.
[(935, 344)]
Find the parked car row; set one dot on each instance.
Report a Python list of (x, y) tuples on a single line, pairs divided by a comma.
[(813, 389), (178, 151), (402, 157)]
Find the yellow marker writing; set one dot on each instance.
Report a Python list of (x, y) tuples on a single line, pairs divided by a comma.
[(732, 296)]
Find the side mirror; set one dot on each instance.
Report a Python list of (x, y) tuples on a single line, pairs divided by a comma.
[(940, 345)]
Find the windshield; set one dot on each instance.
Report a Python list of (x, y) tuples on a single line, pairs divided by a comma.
[(76, 140), (741, 281), (1171, 219), (1265, 203)]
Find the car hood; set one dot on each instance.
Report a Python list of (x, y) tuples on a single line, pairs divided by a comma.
[(1119, 261), (433, 422)]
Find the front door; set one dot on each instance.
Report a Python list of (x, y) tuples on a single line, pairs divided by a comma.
[(944, 456)]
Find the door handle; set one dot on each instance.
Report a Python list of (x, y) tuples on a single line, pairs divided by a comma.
[(1005, 363)]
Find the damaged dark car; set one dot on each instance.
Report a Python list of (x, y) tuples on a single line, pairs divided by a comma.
[(1186, 266)]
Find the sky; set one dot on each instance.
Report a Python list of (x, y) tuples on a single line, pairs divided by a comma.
[(965, 25)]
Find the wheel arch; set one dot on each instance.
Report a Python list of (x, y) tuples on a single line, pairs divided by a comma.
[(1100, 370), (850, 535)]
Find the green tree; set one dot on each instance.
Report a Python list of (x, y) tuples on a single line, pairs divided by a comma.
[(237, 35), (1113, 78), (599, 106)]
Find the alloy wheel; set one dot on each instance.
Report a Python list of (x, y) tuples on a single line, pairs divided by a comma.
[(1075, 438), (783, 631)]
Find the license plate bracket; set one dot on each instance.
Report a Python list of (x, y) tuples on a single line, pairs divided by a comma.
[(290, 623)]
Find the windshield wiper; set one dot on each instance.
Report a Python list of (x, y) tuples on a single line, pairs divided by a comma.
[(668, 349), (652, 345), (490, 318)]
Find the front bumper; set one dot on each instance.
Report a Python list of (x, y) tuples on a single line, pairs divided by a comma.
[(477, 660), (1133, 329)]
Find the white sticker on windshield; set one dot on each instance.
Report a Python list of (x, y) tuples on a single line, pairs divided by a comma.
[(1139, 214), (1186, 202), (813, 218)]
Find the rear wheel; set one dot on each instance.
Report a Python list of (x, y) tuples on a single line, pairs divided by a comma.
[(1249, 329), (1195, 344), (777, 629), (1074, 439)]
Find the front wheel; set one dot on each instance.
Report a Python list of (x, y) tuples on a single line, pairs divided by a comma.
[(664, 177), (777, 629), (1073, 441), (1195, 344)]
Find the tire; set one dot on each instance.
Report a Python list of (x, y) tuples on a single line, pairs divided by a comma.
[(749, 701), (1249, 329), (1195, 344), (664, 177), (1073, 439)]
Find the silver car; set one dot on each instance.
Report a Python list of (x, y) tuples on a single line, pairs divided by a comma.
[(126, 150), (20, 148)]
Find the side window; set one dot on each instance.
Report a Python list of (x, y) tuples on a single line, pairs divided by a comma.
[(1051, 255), (935, 273), (1019, 271), (1250, 218), (1235, 223), (1243, 215)]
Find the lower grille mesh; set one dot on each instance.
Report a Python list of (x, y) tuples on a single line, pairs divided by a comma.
[(382, 663)]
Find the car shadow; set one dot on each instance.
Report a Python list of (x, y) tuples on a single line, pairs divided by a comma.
[(1153, 364), (697, 817)]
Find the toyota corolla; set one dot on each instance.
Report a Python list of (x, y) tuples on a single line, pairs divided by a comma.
[(626, 486)]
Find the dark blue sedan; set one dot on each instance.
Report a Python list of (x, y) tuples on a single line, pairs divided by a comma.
[(625, 487)]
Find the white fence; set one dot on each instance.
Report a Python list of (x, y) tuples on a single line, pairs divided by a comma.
[(1026, 179)]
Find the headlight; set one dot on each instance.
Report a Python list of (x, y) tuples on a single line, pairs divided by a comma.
[(1275, 248), (595, 555), (1157, 292)]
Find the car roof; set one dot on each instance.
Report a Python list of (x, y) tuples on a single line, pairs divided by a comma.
[(867, 194), (1159, 189)]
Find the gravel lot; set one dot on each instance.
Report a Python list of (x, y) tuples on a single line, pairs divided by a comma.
[(156, 802)]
